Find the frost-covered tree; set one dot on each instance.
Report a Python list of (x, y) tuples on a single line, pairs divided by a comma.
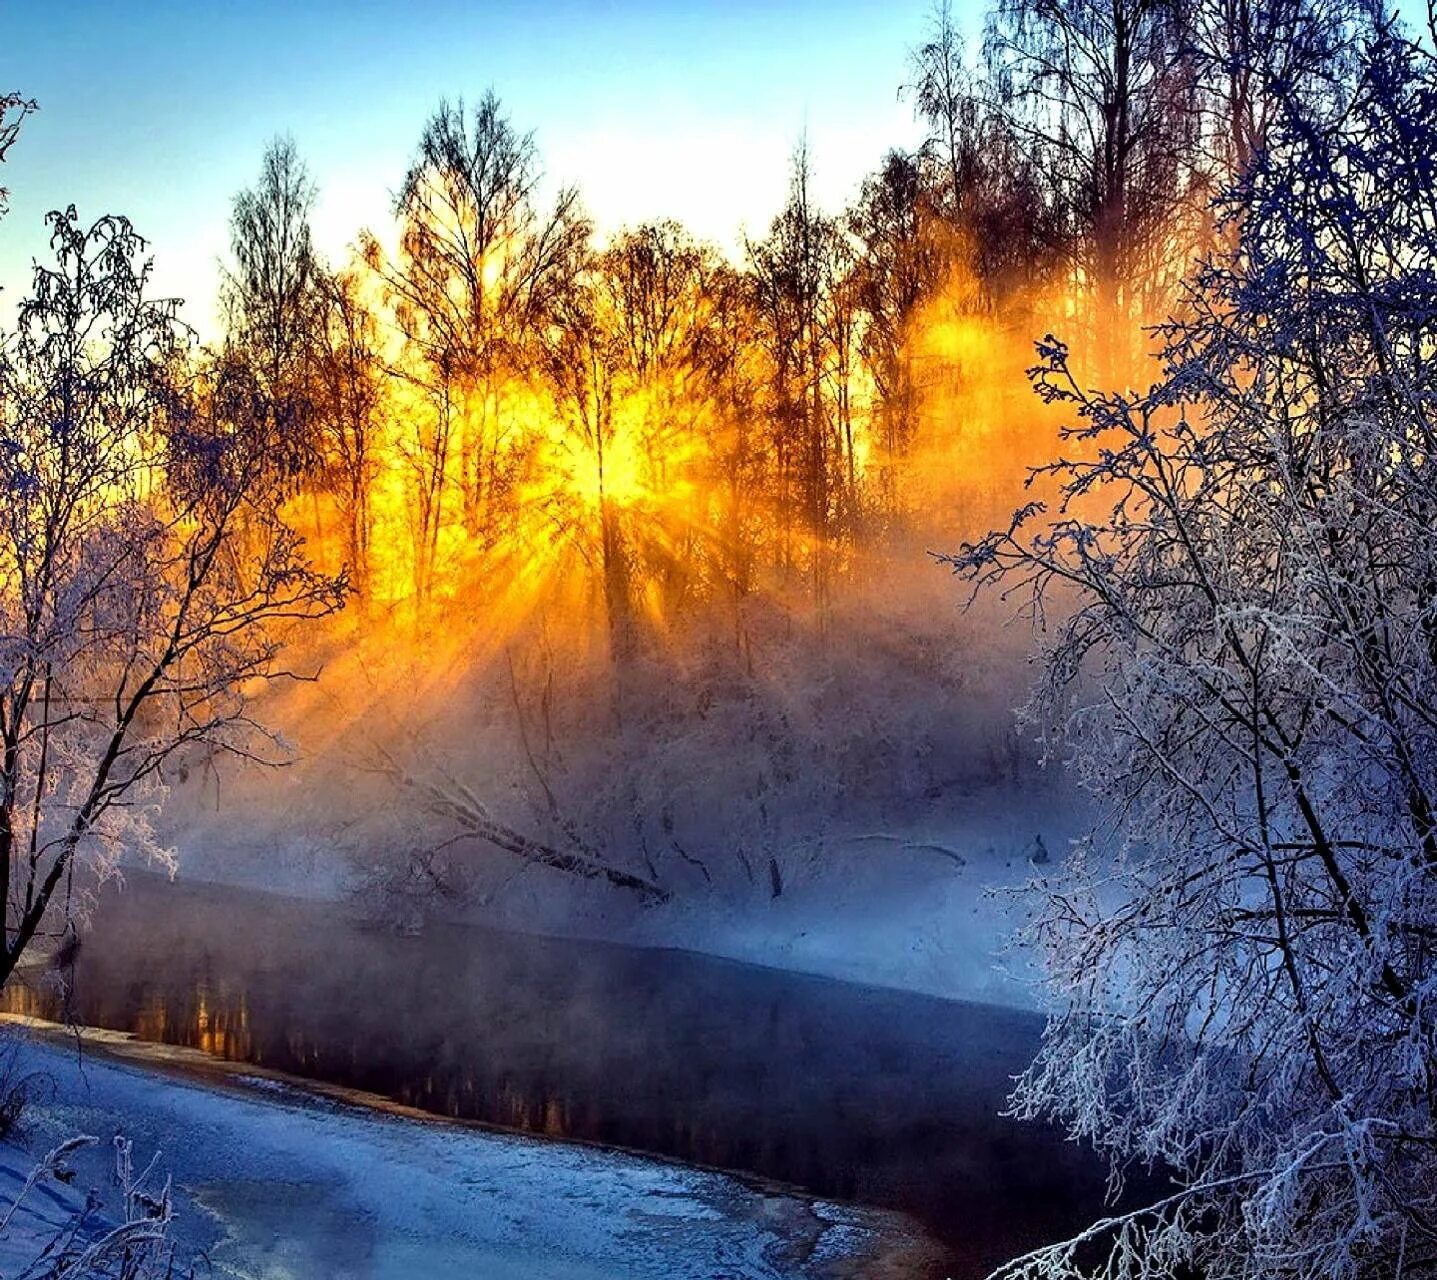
[(14, 108), (144, 573), (1238, 587)]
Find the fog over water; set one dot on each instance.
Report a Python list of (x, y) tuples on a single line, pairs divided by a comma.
[(849, 1092)]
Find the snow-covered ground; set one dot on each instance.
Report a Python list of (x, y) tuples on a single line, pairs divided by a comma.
[(276, 1183), (924, 904), (929, 906), (875, 776)]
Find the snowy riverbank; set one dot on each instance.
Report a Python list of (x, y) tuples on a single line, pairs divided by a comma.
[(275, 1182), (925, 904)]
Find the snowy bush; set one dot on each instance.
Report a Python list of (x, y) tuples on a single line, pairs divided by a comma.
[(19, 1086), (1238, 593), (82, 1242)]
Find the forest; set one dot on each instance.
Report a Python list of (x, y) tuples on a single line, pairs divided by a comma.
[(630, 489), (606, 583)]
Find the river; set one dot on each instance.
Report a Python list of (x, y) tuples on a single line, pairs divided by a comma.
[(852, 1093)]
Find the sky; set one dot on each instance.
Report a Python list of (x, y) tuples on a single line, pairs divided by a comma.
[(688, 110)]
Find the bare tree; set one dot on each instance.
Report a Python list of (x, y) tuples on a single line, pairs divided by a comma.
[(974, 170), (790, 271), (143, 574), (1106, 93), (1240, 594), (906, 252), (14, 108), (481, 264), (664, 294), (349, 397), (654, 275), (735, 447), (585, 367), (1253, 55), (271, 295), (945, 96)]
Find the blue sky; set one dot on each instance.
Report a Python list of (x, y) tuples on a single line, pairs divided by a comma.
[(688, 110)]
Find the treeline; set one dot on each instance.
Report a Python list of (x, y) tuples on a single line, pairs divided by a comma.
[(489, 384), (491, 415)]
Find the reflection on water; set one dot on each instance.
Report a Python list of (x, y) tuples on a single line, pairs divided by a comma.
[(849, 1092)]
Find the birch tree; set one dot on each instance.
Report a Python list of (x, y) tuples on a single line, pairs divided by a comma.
[(144, 576)]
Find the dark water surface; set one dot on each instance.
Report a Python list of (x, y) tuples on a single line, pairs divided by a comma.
[(849, 1092)]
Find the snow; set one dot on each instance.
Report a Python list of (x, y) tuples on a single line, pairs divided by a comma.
[(879, 771), (927, 903), (274, 1182), (930, 907)]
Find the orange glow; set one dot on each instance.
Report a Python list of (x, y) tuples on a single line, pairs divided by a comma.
[(615, 501)]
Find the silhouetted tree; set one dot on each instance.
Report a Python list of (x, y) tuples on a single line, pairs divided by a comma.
[(270, 295), (349, 397), (480, 267), (14, 108), (1252, 55), (980, 177), (661, 290), (789, 271), (947, 100), (142, 564), (908, 249), (1104, 92), (584, 364)]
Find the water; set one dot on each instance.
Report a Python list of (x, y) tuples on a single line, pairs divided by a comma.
[(848, 1092)]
